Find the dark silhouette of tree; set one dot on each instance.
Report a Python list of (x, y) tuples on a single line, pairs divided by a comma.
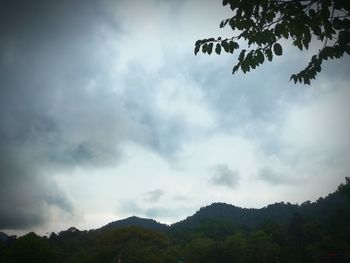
[(345, 188), (263, 24), (30, 248)]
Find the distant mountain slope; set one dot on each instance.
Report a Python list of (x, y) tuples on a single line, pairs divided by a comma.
[(136, 221), (252, 217), (238, 216), (279, 212)]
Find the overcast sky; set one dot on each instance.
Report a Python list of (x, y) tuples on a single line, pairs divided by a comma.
[(105, 113)]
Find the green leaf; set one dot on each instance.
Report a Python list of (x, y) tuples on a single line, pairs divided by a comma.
[(298, 43), (223, 23), (279, 29), (218, 49), (235, 68), (225, 45), (260, 56), (305, 43), (312, 13), (307, 39), (294, 78), (204, 48), (196, 49), (210, 48), (317, 30), (241, 55), (268, 54), (233, 45), (277, 49), (198, 43)]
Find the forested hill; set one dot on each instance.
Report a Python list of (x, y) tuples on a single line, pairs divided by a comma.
[(138, 222), (251, 217), (278, 212), (282, 232)]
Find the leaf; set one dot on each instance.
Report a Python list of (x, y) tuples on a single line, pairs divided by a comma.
[(225, 45), (218, 49), (268, 54), (277, 49), (196, 49), (223, 23), (245, 66), (317, 30), (235, 68), (204, 48), (298, 43), (294, 78), (198, 43), (312, 13), (307, 38), (210, 48), (285, 34), (260, 56), (233, 45), (279, 29), (241, 55), (305, 43)]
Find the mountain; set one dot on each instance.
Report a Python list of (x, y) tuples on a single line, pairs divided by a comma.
[(278, 212), (250, 217), (281, 213), (281, 232), (145, 223)]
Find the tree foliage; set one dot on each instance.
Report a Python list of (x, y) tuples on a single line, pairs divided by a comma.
[(264, 24)]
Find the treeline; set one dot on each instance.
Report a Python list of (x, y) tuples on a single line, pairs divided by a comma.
[(314, 232)]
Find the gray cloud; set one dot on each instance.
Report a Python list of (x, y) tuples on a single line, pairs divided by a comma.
[(26, 195), (268, 175), (181, 198), (222, 175), (63, 105), (47, 63), (153, 196), (159, 212), (132, 208)]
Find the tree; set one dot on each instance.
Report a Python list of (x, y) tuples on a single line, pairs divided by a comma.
[(345, 188), (263, 24), (131, 245), (31, 248)]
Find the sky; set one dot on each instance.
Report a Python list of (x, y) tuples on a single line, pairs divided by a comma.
[(105, 113)]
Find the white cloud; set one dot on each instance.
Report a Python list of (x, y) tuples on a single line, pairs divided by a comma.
[(322, 124)]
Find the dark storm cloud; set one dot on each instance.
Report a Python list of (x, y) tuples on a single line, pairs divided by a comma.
[(60, 104), (46, 63), (25, 194), (222, 175)]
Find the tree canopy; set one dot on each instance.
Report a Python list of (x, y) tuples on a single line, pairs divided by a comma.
[(263, 24)]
